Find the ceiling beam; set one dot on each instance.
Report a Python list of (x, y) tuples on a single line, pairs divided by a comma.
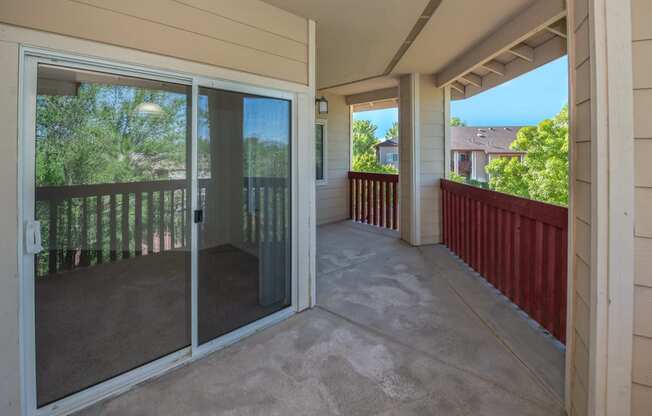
[(495, 67), (552, 49), (537, 17), (457, 86), (371, 96), (558, 30), (421, 22), (473, 79), (523, 52)]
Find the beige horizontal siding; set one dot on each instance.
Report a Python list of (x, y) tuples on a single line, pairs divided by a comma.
[(332, 198), (641, 13), (581, 141), (641, 400), (217, 36), (643, 261), (432, 158), (642, 75), (642, 361)]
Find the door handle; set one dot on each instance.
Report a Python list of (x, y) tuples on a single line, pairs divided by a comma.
[(33, 244)]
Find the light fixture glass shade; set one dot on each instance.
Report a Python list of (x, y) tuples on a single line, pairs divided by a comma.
[(149, 109)]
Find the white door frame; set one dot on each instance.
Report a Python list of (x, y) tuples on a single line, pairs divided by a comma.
[(29, 60)]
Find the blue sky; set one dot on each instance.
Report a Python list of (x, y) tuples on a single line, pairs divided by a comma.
[(525, 100)]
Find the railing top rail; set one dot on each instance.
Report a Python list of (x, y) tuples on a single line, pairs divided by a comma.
[(46, 193), (61, 192), (385, 177), (554, 215)]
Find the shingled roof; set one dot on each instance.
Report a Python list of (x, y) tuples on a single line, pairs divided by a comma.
[(491, 140)]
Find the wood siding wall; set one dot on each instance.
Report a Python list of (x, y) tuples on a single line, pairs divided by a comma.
[(642, 343), (332, 197), (422, 158), (406, 136), (431, 151), (580, 137), (245, 35)]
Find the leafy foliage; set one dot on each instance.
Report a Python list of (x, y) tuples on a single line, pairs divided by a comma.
[(392, 132), (368, 163), (364, 137), (453, 176), (99, 136), (364, 152), (543, 174), (457, 122)]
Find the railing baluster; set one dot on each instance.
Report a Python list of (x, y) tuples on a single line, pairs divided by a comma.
[(125, 226), (184, 217), (150, 222), (69, 260), (138, 224), (84, 258), (362, 199), (172, 212), (351, 193), (509, 239), (99, 236), (113, 229), (161, 221), (258, 211), (395, 219), (53, 237)]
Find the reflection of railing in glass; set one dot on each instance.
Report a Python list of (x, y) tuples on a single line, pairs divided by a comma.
[(84, 225)]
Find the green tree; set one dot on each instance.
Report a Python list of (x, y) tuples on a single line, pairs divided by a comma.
[(368, 163), (543, 174), (457, 122), (364, 151), (392, 132), (364, 137), (456, 178)]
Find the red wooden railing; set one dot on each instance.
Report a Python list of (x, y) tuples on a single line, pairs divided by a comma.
[(518, 245), (373, 199)]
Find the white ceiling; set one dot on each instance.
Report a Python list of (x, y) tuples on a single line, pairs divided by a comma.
[(454, 28), (356, 40)]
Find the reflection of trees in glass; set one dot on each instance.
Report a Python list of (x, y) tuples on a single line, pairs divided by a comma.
[(265, 158), (98, 136)]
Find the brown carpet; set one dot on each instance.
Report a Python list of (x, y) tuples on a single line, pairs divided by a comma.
[(95, 323)]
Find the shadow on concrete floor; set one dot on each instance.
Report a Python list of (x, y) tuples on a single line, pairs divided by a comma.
[(398, 331)]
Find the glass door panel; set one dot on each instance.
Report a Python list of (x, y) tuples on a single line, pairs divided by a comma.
[(244, 194), (112, 173)]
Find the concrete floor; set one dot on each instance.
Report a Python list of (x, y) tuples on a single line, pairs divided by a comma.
[(398, 331)]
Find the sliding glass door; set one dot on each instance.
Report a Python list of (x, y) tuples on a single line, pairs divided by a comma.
[(112, 175), (110, 234), (244, 197)]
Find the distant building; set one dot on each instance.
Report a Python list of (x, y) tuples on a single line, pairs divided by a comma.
[(472, 148), (387, 152)]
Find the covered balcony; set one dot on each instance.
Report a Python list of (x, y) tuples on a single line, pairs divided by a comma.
[(184, 233), (398, 330)]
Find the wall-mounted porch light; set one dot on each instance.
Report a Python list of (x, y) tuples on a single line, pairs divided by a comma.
[(322, 105)]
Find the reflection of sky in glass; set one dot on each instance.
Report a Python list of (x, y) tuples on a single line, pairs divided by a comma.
[(267, 119), (202, 117)]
